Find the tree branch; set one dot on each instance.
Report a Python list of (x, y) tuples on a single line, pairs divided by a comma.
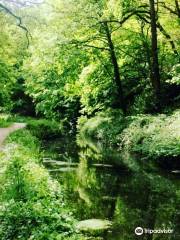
[(126, 17), (168, 8), (166, 34), (19, 21), (100, 48), (86, 44), (21, 3)]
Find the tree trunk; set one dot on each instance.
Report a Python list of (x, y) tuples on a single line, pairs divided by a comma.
[(114, 61), (155, 76), (177, 8)]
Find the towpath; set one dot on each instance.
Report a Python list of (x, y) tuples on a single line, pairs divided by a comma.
[(4, 132)]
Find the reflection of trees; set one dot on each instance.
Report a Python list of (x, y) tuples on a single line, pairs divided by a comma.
[(130, 199), (146, 200), (95, 186)]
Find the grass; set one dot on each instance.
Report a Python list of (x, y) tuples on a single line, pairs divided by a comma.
[(31, 202)]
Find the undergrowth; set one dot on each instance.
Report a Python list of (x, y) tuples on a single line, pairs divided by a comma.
[(31, 202), (105, 126), (5, 121), (154, 137), (150, 137), (45, 129)]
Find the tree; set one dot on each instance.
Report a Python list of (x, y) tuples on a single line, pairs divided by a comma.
[(13, 50), (175, 10), (100, 37), (114, 60), (18, 19), (92, 55), (155, 75)]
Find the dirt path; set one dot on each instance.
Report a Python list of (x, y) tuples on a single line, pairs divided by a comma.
[(4, 132)]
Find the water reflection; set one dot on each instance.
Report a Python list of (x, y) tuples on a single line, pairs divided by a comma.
[(128, 198)]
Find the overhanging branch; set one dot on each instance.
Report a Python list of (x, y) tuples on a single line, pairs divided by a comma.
[(19, 21)]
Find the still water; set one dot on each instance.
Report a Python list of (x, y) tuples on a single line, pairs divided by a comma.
[(99, 186)]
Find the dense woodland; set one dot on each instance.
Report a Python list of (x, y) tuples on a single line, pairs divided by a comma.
[(91, 71), (65, 59)]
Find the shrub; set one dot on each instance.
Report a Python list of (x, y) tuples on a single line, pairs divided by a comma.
[(175, 74), (144, 102), (105, 126), (5, 120), (45, 129), (155, 137), (149, 137)]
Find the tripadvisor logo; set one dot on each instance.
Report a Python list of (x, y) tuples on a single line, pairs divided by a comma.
[(139, 231)]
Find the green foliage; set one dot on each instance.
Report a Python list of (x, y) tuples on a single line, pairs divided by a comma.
[(31, 201), (81, 54), (96, 90), (11, 54), (45, 129), (53, 88), (25, 139), (68, 68), (35, 220), (105, 126), (152, 137), (4, 124), (155, 137), (6, 84), (5, 120), (144, 102), (175, 74)]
